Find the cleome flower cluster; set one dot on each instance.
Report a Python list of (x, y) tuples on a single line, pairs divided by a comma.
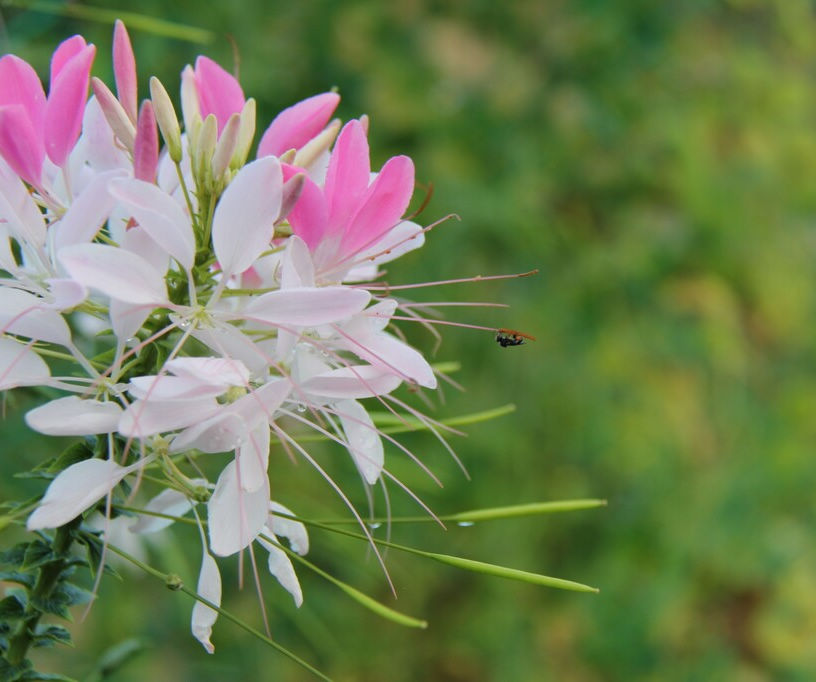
[(226, 293)]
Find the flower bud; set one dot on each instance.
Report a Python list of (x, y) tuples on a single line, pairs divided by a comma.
[(245, 135), (166, 118), (311, 151), (226, 146), (190, 111), (202, 151), (115, 115)]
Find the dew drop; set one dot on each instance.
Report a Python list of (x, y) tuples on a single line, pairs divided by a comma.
[(374, 525), (465, 524), (301, 408)]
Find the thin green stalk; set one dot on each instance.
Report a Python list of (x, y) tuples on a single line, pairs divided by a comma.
[(174, 582), (143, 22)]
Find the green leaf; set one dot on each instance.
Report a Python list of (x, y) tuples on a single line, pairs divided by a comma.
[(14, 555), (72, 594), (34, 675), (48, 635), (115, 657), (12, 673), (11, 609), (38, 553), (26, 579)]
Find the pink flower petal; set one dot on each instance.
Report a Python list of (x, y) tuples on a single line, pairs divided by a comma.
[(348, 175), (65, 52), (66, 104), (244, 219), (383, 205), (124, 69), (21, 143), (309, 216), (218, 91), (20, 84), (294, 127), (146, 144)]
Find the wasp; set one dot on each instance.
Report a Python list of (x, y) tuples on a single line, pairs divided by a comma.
[(511, 337)]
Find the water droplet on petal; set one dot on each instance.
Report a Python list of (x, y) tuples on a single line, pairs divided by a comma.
[(465, 524), (374, 525), (301, 408)]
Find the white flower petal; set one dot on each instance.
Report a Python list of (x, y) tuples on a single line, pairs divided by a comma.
[(253, 458), (387, 351), (20, 366), (26, 314), (292, 530), (65, 293), (244, 219), (214, 371), (73, 416), (74, 490), (235, 516), (147, 417), (86, 214), (115, 272), (159, 215), (18, 210), (127, 319), (364, 443), (169, 502), (165, 387), (297, 269), (220, 433), (209, 587), (281, 567), (307, 306), (359, 381)]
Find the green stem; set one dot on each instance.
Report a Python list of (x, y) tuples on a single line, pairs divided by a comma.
[(47, 580)]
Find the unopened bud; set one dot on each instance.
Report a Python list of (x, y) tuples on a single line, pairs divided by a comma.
[(146, 144), (202, 152), (226, 146), (245, 135), (291, 193), (311, 151), (288, 156), (190, 109), (166, 118), (115, 115)]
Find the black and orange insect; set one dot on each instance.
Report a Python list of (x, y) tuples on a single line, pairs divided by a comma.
[(511, 337)]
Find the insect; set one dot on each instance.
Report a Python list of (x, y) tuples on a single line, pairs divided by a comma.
[(511, 337)]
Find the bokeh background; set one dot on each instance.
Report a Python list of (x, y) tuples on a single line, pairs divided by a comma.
[(657, 162)]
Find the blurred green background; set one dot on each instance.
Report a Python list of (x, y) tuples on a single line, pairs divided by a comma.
[(657, 162)]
